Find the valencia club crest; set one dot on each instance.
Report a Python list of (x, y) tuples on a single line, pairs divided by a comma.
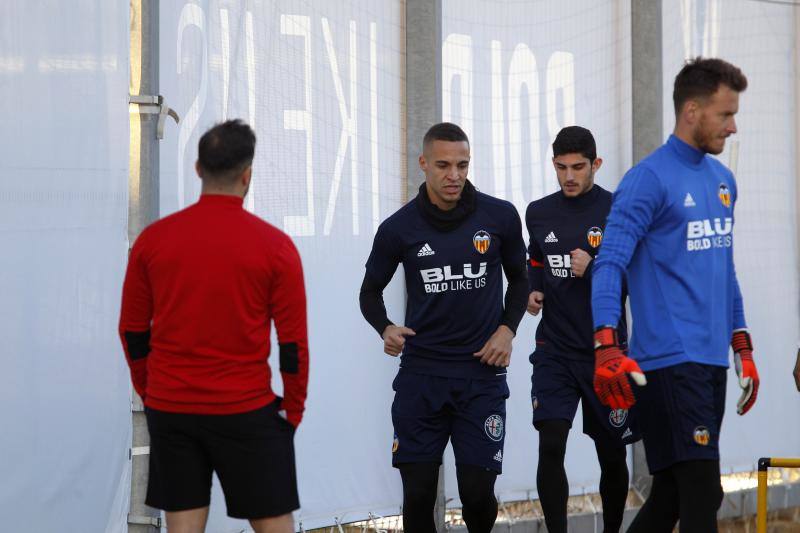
[(594, 236), (481, 241), (724, 195)]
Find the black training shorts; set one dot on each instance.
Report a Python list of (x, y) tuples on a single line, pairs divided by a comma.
[(252, 454)]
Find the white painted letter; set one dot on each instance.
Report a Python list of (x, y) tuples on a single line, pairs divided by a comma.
[(457, 62), (349, 127), (560, 76), (498, 122), (249, 202), (225, 34), (191, 15), (300, 119), (522, 73), (373, 123)]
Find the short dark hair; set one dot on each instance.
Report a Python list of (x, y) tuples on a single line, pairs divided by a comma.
[(575, 140), (444, 131), (226, 150), (701, 77)]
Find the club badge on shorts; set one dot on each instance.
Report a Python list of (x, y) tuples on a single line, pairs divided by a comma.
[(594, 236), (494, 427), (617, 417), (395, 444), (724, 195), (701, 435), (481, 241)]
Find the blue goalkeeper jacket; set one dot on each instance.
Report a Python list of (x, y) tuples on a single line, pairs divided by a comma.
[(671, 228)]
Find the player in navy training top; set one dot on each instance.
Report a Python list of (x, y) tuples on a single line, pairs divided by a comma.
[(566, 229), (670, 232), (455, 244)]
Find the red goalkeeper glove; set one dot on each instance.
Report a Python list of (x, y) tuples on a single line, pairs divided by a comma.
[(746, 370), (611, 369)]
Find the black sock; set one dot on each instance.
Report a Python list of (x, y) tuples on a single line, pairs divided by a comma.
[(420, 481), (689, 490), (660, 511), (476, 489), (613, 485), (551, 478), (700, 495)]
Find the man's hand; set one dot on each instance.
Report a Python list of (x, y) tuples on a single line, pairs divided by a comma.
[(535, 301), (611, 369), (579, 261), (742, 346), (796, 372), (394, 339), (497, 350), (293, 418)]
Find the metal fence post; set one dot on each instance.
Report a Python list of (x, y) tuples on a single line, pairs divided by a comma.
[(143, 188), (423, 23), (648, 131)]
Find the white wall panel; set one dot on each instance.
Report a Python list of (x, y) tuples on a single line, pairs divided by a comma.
[(64, 385)]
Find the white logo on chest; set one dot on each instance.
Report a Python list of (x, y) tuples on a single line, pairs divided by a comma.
[(433, 275)]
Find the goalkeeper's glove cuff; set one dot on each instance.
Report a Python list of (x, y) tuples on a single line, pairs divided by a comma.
[(605, 336)]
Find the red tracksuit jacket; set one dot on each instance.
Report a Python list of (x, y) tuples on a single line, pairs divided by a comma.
[(201, 288)]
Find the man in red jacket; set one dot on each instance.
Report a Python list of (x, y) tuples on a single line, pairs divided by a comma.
[(201, 289)]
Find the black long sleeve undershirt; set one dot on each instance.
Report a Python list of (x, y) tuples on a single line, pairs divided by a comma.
[(516, 298), (371, 301)]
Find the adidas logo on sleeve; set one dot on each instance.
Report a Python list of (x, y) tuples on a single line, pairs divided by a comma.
[(551, 237), (425, 250)]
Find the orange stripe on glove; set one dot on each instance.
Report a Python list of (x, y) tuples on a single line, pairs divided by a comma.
[(742, 346)]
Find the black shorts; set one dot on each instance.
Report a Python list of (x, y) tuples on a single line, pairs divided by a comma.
[(252, 454), (680, 413), (430, 410), (558, 383)]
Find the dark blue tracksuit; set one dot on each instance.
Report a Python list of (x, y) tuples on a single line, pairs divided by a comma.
[(563, 362), (454, 281), (670, 233)]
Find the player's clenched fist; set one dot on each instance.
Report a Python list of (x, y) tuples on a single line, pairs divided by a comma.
[(394, 338), (535, 302), (611, 369), (497, 350), (579, 261)]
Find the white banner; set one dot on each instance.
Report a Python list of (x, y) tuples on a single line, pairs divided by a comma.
[(759, 38), (64, 385), (322, 85)]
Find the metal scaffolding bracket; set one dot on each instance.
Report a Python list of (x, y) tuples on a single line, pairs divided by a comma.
[(138, 450), (154, 105), (145, 520)]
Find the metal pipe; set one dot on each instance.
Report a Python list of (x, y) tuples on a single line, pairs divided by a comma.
[(648, 134), (764, 464), (423, 94), (782, 462), (143, 209), (761, 500)]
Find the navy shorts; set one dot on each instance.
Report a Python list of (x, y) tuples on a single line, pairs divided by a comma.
[(429, 410), (557, 383), (680, 413)]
